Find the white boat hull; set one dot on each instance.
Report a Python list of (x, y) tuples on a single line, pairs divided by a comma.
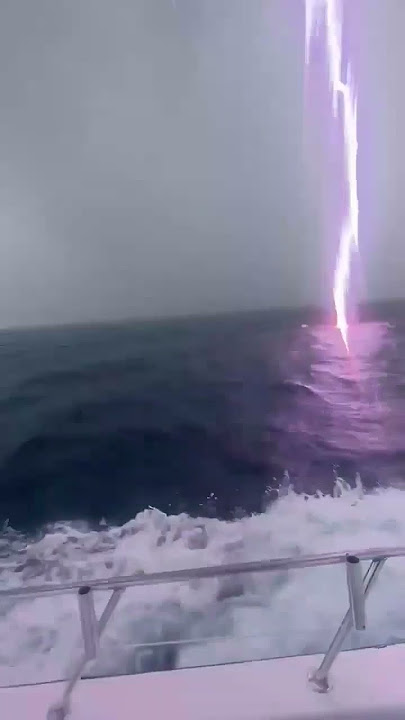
[(366, 685)]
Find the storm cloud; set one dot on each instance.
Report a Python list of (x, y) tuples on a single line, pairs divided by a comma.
[(152, 157)]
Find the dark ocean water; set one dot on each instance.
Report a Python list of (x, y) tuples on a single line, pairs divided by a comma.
[(202, 415)]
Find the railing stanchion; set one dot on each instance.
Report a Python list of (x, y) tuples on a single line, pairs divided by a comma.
[(61, 710), (88, 621), (319, 678), (357, 598)]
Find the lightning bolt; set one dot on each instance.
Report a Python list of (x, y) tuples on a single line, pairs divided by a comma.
[(329, 13)]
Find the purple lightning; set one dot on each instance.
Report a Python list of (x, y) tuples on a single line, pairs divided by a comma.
[(330, 13)]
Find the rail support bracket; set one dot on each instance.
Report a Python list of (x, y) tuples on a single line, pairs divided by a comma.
[(319, 683)]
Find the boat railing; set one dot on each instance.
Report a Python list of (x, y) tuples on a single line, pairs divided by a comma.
[(358, 585)]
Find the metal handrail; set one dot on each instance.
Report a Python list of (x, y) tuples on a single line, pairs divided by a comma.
[(92, 629), (200, 573)]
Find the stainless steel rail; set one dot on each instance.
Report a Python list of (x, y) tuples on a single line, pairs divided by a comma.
[(201, 573), (92, 629)]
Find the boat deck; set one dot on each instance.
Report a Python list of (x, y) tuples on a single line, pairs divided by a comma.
[(367, 684)]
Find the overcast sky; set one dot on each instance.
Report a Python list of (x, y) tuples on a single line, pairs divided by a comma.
[(151, 157)]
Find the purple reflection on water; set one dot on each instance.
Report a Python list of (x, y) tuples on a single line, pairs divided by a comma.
[(344, 411), (350, 386)]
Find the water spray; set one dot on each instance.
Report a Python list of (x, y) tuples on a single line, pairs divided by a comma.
[(328, 14)]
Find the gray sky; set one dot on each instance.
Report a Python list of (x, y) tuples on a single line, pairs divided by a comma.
[(151, 157)]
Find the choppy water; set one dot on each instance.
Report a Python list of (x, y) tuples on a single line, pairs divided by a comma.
[(200, 419)]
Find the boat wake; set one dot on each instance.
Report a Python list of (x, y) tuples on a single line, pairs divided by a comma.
[(219, 620)]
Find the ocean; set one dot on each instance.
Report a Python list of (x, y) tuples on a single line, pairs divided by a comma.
[(139, 447)]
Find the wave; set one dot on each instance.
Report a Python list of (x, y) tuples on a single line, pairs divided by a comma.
[(267, 615)]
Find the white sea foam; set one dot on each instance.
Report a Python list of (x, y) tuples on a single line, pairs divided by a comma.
[(260, 616)]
